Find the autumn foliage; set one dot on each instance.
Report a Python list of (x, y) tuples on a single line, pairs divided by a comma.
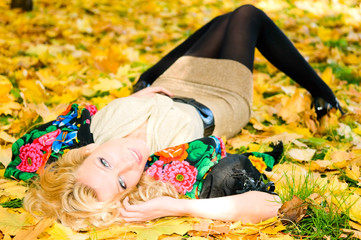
[(92, 51)]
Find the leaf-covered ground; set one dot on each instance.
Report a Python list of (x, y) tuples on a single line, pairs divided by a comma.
[(92, 51)]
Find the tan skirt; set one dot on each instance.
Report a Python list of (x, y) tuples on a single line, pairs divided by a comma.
[(225, 86)]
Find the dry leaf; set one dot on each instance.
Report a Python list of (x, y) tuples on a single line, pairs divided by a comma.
[(293, 211), (301, 154), (5, 155), (32, 232)]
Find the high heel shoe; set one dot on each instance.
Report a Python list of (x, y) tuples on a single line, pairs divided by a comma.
[(322, 107)]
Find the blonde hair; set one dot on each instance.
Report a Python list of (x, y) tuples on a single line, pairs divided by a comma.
[(58, 194)]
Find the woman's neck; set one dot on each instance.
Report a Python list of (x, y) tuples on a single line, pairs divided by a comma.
[(140, 132)]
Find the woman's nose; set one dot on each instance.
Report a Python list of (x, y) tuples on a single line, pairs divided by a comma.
[(129, 162)]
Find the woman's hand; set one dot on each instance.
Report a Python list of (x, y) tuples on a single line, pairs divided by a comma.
[(152, 209), (151, 91)]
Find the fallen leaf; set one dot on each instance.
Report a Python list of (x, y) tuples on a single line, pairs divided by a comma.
[(58, 231), (293, 210), (160, 227), (11, 222), (5, 155), (301, 155), (34, 231), (6, 137)]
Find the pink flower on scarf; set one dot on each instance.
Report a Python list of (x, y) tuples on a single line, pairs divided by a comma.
[(181, 175), (49, 138), (156, 170), (92, 109), (31, 157)]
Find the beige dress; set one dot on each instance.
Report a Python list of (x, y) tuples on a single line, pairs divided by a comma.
[(225, 86)]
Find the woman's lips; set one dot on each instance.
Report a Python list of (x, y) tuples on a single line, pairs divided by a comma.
[(136, 153)]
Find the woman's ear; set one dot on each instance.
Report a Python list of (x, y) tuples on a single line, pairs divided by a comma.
[(90, 148)]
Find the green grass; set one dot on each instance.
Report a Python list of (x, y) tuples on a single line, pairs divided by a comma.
[(323, 219), (320, 223)]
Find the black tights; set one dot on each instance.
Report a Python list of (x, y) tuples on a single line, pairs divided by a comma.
[(235, 36)]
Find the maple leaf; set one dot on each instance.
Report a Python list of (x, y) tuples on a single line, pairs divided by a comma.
[(11, 221)]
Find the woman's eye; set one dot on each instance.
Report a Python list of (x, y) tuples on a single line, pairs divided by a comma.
[(105, 163), (122, 183)]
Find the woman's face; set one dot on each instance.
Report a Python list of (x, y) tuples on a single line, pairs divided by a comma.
[(114, 166)]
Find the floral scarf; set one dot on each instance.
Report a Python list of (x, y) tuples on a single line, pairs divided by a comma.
[(186, 166), (48, 142)]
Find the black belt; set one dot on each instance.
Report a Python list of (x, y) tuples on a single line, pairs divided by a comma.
[(204, 112)]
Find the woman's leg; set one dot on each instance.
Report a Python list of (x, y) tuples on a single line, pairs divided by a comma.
[(235, 36), (248, 28), (155, 71)]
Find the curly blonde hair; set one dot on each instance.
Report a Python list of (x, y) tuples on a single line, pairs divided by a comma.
[(58, 194)]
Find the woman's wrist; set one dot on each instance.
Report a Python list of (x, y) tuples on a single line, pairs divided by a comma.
[(179, 207)]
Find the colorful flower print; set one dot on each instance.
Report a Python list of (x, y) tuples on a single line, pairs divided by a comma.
[(221, 147), (197, 150), (181, 175), (258, 163), (63, 139), (156, 170), (92, 109), (177, 153), (31, 157), (49, 138)]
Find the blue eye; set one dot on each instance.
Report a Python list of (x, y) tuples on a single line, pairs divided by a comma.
[(122, 183), (104, 163)]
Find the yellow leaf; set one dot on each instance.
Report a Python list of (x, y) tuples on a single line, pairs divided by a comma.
[(46, 113), (110, 232), (13, 189), (355, 225), (119, 93), (279, 129), (84, 25), (106, 84), (328, 76), (336, 186), (162, 226), (58, 231), (33, 91), (301, 154), (34, 231), (320, 165), (5, 87), (350, 204), (5, 155), (353, 172), (325, 34), (6, 137), (274, 229), (9, 107), (293, 106), (11, 222), (352, 59)]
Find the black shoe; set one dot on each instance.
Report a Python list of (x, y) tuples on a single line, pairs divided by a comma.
[(322, 107), (140, 85)]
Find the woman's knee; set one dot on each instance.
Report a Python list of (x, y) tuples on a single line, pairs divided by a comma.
[(248, 11)]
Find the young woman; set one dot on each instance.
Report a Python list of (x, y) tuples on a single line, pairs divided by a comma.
[(201, 88)]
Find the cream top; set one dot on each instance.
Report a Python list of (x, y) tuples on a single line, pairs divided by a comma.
[(169, 123)]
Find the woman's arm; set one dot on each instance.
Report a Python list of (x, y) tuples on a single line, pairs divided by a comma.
[(249, 207)]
